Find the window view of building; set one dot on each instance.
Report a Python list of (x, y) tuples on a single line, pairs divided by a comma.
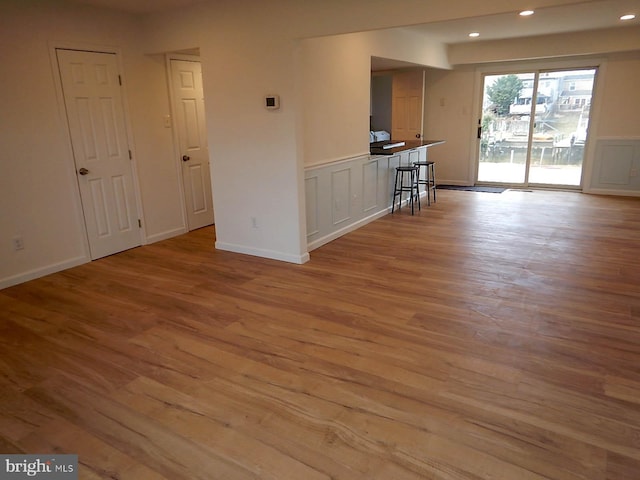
[(550, 151)]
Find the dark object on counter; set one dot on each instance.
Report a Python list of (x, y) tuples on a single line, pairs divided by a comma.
[(377, 148)]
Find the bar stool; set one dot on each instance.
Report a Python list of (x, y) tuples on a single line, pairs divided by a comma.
[(410, 173), (429, 181)]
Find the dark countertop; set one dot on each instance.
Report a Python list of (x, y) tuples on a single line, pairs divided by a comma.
[(376, 147)]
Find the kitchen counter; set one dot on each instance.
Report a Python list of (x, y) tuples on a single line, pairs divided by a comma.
[(376, 147)]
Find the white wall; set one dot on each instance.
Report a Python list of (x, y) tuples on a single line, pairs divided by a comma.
[(335, 98), (254, 151), (620, 105), (336, 92), (449, 116), (156, 159)]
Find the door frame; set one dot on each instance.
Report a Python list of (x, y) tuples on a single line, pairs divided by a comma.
[(176, 138), (66, 134), (538, 66)]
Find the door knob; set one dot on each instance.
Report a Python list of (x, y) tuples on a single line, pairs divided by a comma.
[(83, 171), (186, 158)]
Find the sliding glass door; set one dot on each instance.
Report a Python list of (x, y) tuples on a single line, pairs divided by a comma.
[(534, 127)]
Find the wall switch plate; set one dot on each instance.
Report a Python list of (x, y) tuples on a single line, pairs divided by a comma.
[(18, 243)]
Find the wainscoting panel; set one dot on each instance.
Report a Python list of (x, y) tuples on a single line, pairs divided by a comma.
[(394, 162), (347, 194), (617, 167), (344, 195), (619, 164), (370, 185), (414, 155), (341, 195), (311, 194)]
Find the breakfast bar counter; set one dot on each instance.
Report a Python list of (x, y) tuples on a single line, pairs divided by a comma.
[(390, 147)]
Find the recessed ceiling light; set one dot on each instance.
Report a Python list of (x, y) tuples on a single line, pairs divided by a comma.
[(526, 13), (474, 34), (630, 16)]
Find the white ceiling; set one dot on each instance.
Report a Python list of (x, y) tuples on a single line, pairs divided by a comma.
[(139, 6), (586, 15), (568, 18)]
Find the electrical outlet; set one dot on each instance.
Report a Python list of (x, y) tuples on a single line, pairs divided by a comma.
[(254, 222), (18, 242)]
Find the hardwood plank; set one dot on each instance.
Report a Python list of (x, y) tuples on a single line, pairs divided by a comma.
[(621, 467), (96, 459), (488, 336), (133, 433)]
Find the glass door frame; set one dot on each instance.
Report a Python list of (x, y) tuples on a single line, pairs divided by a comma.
[(537, 69)]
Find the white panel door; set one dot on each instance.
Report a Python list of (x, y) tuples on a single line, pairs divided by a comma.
[(95, 113), (192, 138)]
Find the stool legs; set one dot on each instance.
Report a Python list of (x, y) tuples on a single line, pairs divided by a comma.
[(412, 188), (396, 192), (429, 181), (433, 181), (414, 184)]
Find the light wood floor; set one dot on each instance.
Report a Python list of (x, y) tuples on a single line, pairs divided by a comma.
[(492, 336)]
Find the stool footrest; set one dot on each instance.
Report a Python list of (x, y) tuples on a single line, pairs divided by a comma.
[(413, 173)]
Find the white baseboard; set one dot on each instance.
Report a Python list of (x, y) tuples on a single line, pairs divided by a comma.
[(349, 228), (457, 183), (258, 252), (41, 272), (618, 193), (157, 237)]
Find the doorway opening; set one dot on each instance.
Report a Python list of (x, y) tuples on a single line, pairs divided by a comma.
[(534, 127), (187, 100)]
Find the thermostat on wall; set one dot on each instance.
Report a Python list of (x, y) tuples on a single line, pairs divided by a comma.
[(272, 102)]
